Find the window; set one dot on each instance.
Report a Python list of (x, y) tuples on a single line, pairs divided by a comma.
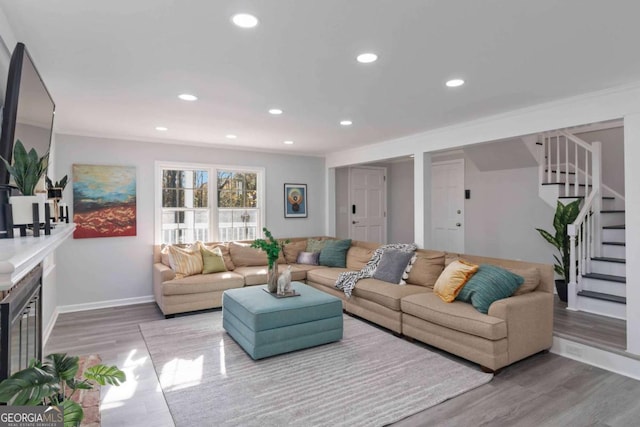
[(191, 208)]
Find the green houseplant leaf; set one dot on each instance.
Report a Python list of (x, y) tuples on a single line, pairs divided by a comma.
[(73, 413), (103, 374), (27, 168), (31, 386), (564, 215)]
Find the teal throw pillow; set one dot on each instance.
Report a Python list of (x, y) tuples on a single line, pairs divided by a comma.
[(334, 253), (487, 285)]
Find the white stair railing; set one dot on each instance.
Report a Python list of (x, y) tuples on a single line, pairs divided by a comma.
[(576, 165)]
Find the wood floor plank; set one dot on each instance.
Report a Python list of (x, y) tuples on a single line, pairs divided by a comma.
[(542, 390)]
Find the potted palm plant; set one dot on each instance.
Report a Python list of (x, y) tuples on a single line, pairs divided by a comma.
[(55, 382), (565, 215), (26, 170)]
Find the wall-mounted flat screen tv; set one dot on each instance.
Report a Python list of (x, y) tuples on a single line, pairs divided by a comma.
[(27, 115)]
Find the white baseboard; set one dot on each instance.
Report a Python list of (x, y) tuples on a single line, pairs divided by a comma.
[(628, 366), (104, 304), (47, 330)]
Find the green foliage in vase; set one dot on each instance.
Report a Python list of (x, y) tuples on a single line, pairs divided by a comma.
[(27, 168), (565, 215), (49, 383), (270, 246)]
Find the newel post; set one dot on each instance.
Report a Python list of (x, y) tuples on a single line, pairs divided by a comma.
[(572, 286), (597, 201)]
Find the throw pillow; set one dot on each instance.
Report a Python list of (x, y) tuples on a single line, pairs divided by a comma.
[(427, 268), (453, 279), (334, 253), (164, 255), (185, 262), (212, 260), (358, 257), (293, 249), (226, 254), (407, 270), (489, 284), (392, 266), (531, 278), (310, 258), (315, 245)]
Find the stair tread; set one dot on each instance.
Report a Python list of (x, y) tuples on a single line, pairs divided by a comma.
[(555, 171), (614, 227), (582, 197), (607, 277), (562, 183), (609, 259), (613, 211), (605, 297), (614, 243)]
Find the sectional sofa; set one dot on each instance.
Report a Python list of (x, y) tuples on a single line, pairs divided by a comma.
[(514, 327)]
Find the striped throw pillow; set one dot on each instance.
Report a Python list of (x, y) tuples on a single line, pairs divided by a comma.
[(185, 262), (489, 284)]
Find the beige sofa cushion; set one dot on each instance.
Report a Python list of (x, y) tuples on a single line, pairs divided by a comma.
[(358, 257), (203, 283), (254, 275), (291, 250), (455, 315), (531, 279), (385, 293), (243, 255), (427, 268), (325, 276)]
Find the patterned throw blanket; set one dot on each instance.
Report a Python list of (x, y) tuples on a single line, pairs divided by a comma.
[(347, 280)]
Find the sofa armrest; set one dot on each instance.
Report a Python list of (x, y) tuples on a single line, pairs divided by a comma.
[(161, 273), (529, 320)]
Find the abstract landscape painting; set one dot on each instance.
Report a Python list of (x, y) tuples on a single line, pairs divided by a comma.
[(104, 201)]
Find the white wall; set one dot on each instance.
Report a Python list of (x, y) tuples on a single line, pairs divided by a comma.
[(503, 212), (400, 202), (98, 270), (612, 155)]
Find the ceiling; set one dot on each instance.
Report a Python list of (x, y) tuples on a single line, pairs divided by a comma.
[(115, 68)]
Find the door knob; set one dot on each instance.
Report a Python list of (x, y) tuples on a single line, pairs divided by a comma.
[(458, 224)]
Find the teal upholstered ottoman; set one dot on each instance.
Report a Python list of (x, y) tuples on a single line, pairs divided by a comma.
[(265, 326)]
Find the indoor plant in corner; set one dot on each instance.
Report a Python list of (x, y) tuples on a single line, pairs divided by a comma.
[(565, 215), (26, 170), (54, 383), (272, 248)]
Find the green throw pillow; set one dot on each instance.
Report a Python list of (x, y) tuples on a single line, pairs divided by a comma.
[(212, 260), (334, 253), (487, 285), (314, 245)]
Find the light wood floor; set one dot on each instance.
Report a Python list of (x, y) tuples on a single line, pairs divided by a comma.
[(543, 390)]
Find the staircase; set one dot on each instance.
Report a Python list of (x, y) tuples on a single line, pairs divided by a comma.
[(570, 169)]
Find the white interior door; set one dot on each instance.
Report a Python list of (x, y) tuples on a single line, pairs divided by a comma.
[(447, 205), (368, 204)]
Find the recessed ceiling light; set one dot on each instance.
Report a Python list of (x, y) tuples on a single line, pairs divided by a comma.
[(288, 142), (231, 136), (275, 111), (162, 128), (346, 122), (187, 97), (455, 83), (244, 20), (367, 58)]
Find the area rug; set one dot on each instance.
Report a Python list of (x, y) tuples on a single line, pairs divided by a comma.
[(369, 378)]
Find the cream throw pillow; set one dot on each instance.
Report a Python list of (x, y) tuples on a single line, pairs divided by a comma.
[(185, 262), (453, 278), (212, 260)]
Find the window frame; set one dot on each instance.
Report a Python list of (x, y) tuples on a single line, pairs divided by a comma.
[(212, 194)]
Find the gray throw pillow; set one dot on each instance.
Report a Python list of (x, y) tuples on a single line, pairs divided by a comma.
[(310, 258), (392, 266)]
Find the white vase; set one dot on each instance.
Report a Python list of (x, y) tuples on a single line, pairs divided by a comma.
[(22, 208)]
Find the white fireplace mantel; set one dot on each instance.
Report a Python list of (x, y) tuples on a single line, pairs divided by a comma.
[(20, 255)]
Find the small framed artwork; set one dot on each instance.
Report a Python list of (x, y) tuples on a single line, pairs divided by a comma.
[(295, 200)]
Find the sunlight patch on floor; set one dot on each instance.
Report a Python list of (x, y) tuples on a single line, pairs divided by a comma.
[(181, 373), (127, 389)]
